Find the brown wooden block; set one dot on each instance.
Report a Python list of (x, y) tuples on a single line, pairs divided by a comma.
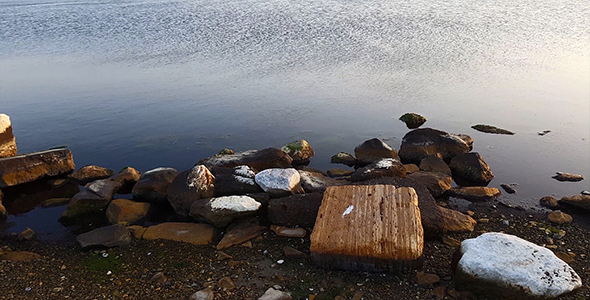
[(368, 228)]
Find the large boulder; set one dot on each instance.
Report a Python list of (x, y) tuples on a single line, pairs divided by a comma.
[(279, 182), (223, 210), (127, 178), (127, 212), (90, 173), (235, 181), (436, 182), (105, 188), (7, 140), (577, 201), (373, 150), (434, 163), (385, 167), (193, 233), (84, 208), (153, 185), (420, 143), (472, 167), (30, 167), (190, 186), (300, 151), (313, 182), (108, 236), (296, 210), (256, 159), (512, 268)]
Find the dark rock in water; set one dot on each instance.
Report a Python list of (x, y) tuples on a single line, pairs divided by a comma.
[(544, 132), (189, 186), (223, 210), (412, 120), (385, 167), (128, 177), (509, 188), (373, 150), (108, 236), (467, 139), (90, 173), (84, 208), (549, 202), (474, 193), (256, 159), (300, 151), (153, 185), (23, 198), (577, 201), (296, 210), (339, 173), (235, 181), (7, 140), (30, 167), (436, 182), (561, 176), (343, 158), (491, 129), (472, 167), (105, 188), (225, 151), (434, 163), (420, 143), (313, 182)]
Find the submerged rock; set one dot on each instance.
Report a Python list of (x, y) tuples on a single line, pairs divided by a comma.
[(7, 140), (340, 173), (412, 120), (256, 159), (90, 173), (561, 176), (420, 143), (3, 211), (84, 208), (472, 167), (549, 202), (386, 167), (279, 182), (30, 167), (153, 185), (373, 150), (189, 186), (300, 151), (343, 158), (491, 129)]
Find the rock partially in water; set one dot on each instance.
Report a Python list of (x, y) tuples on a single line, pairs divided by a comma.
[(313, 182), (30, 167), (512, 268), (509, 188), (25, 197), (193, 233), (544, 132), (373, 150), (472, 167), (128, 177), (577, 201), (420, 143), (343, 158), (256, 159), (127, 212), (412, 120), (90, 173), (223, 210), (549, 202), (153, 185), (279, 182), (474, 193), (491, 129), (189, 186), (7, 140), (300, 151), (561, 176), (434, 163), (108, 236), (84, 208), (386, 167), (105, 188), (436, 182)]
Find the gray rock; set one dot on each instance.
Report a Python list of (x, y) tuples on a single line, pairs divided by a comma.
[(472, 167), (386, 167), (223, 210), (105, 188), (279, 182), (189, 186), (300, 151), (7, 140), (90, 173), (436, 182), (272, 294), (235, 181), (206, 294), (30, 167), (434, 163), (343, 158), (256, 159), (153, 185), (109, 236), (373, 150), (420, 143), (313, 182), (509, 188)]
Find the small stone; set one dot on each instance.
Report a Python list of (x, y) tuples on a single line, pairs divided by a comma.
[(549, 202), (447, 240), (343, 158), (439, 292), (491, 129), (206, 294), (293, 253), (223, 256), (26, 235), (561, 176), (565, 257), (587, 193), (280, 261), (506, 222), (272, 294), (288, 232), (544, 132), (558, 217), (226, 283), (412, 120), (159, 278), (426, 279), (509, 188)]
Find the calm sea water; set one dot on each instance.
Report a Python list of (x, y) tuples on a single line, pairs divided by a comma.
[(166, 83)]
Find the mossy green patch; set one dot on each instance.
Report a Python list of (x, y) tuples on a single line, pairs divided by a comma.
[(97, 263), (412, 120)]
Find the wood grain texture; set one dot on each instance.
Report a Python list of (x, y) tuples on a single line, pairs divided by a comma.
[(368, 227)]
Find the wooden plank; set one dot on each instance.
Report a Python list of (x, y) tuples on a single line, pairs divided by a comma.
[(368, 228)]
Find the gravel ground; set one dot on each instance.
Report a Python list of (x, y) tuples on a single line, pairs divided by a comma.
[(66, 272)]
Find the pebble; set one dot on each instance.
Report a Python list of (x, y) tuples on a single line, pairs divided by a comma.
[(585, 193), (28, 289), (280, 261), (506, 222)]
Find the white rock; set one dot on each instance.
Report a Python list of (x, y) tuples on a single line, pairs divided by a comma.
[(206, 294), (235, 203), (200, 178), (509, 262), (272, 294), (244, 174), (278, 181)]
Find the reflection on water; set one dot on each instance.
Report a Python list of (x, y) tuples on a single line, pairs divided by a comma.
[(151, 83)]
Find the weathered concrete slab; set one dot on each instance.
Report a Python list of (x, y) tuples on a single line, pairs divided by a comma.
[(30, 167), (368, 228)]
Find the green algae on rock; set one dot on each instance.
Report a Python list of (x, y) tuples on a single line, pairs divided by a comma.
[(412, 120), (491, 129)]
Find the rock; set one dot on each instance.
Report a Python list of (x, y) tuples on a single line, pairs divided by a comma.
[(584, 192), (223, 210), (238, 233), (391, 237), (26, 197), (272, 294), (339, 173), (136, 231), (127, 212), (343, 158), (412, 120), (3, 211), (472, 167), (90, 173), (30, 167), (436, 182), (153, 185), (491, 129), (373, 150), (558, 217), (411, 168), (300, 151), (288, 232), (474, 193), (387, 167), (313, 182), (226, 283), (84, 208), (108, 236), (193, 233), (297, 210), (544, 132), (549, 202), (565, 257), (279, 182), (20, 256), (206, 294), (190, 186), (426, 279), (508, 266), (439, 292), (420, 143), (55, 202), (235, 181), (128, 177), (434, 163), (7, 140), (577, 201), (159, 278), (509, 188), (26, 235), (105, 188), (293, 253), (257, 159), (561, 176)]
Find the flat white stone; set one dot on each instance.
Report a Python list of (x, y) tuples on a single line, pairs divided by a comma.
[(273, 180), (235, 203), (4, 122), (244, 171), (510, 261)]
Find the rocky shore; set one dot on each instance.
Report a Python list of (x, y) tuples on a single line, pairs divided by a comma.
[(260, 224)]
